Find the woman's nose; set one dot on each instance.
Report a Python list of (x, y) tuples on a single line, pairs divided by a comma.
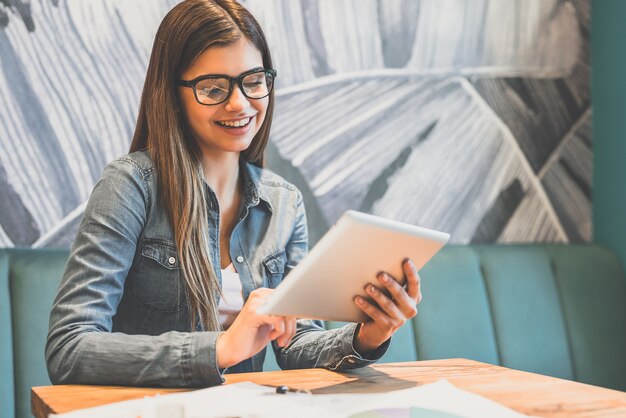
[(237, 100)]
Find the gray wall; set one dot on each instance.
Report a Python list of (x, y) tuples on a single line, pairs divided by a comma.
[(469, 116)]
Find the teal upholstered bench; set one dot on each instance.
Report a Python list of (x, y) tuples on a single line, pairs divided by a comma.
[(558, 310), (29, 280), (552, 309)]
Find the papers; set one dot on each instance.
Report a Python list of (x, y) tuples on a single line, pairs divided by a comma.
[(248, 400)]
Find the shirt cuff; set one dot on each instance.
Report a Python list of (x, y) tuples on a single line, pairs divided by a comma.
[(199, 359), (352, 359), (372, 355)]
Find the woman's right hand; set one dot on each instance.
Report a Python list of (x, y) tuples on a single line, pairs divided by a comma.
[(251, 332)]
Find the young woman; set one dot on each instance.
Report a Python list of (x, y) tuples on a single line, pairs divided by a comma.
[(183, 238)]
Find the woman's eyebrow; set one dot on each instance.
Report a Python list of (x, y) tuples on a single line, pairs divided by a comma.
[(222, 74), (252, 70)]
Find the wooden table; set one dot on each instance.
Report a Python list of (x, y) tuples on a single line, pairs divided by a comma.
[(529, 393)]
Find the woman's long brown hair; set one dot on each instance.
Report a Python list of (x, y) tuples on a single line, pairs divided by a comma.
[(186, 31)]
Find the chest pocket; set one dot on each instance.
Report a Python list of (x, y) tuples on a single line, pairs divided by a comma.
[(156, 282), (274, 268)]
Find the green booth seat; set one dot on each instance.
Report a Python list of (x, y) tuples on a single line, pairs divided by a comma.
[(7, 388), (30, 282), (558, 310), (592, 287)]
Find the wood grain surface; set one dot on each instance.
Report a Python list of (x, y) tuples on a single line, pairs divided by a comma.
[(528, 393)]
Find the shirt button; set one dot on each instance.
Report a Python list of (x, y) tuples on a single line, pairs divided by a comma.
[(351, 360), (171, 260), (239, 259)]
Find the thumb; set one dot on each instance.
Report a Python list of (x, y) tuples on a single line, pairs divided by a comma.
[(278, 328)]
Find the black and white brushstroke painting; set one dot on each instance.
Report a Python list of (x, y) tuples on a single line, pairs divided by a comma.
[(467, 116)]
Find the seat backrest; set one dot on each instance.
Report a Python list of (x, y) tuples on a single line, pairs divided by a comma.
[(553, 309), (592, 286), (34, 277), (7, 391), (557, 310), (454, 319)]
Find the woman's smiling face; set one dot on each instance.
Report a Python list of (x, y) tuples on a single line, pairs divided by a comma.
[(208, 124)]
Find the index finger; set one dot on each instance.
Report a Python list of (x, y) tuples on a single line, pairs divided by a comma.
[(412, 279)]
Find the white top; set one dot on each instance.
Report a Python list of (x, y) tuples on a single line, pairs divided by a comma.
[(232, 298)]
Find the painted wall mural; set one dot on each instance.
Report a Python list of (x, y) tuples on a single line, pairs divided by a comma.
[(472, 117)]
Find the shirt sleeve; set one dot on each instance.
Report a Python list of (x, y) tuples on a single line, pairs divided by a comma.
[(312, 345), (81, 347)]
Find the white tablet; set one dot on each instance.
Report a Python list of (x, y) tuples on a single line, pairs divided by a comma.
[(323, 285)]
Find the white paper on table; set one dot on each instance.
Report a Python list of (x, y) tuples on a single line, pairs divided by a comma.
[(248, 400)]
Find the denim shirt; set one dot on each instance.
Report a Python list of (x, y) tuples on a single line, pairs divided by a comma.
[(120, 316)]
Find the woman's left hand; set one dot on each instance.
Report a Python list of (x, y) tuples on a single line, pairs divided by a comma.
[(392, 311)]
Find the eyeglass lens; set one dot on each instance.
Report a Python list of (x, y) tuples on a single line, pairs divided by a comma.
[(216, 90)]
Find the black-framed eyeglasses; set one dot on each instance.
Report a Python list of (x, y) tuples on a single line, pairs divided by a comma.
[(214, 89)]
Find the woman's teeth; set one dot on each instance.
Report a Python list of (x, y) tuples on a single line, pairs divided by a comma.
[(235, 124)]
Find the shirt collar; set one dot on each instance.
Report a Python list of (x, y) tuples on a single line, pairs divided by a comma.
[(253, 189)]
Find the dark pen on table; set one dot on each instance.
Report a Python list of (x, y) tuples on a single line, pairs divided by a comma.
[(282, 389)]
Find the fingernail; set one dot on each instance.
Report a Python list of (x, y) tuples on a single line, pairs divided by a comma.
[(371, 288), (359, 300), (406, 260), (384, 278)]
